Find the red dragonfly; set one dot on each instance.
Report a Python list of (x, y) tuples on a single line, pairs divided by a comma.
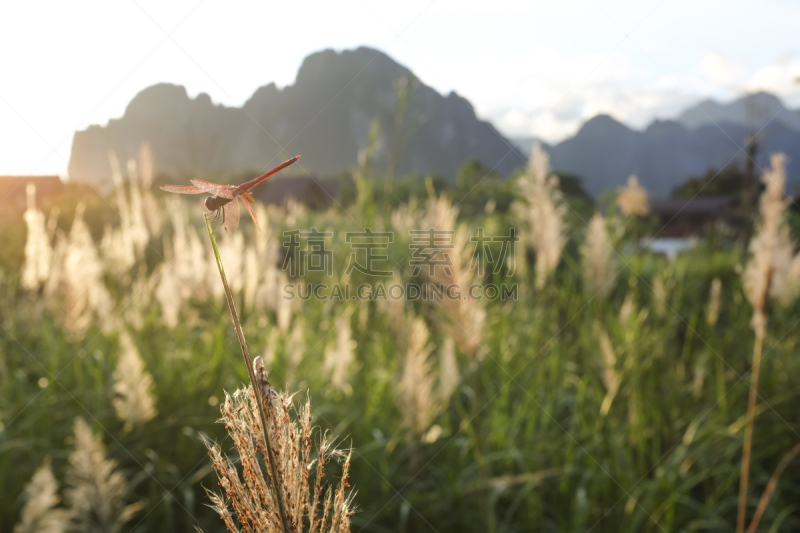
[(223, 201)]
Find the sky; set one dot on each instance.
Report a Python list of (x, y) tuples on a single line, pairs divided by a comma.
[(531, 68)]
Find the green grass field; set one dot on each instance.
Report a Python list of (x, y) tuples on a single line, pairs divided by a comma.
[(569, 410)]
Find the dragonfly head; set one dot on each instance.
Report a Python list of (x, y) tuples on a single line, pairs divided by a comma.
[(210, 204)]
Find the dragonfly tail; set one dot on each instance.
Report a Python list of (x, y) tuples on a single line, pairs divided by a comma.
[(252, 183)]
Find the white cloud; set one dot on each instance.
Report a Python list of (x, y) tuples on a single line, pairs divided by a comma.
[(561, 117), (781, 78), (722, 71), (541, 124), (628, 93)]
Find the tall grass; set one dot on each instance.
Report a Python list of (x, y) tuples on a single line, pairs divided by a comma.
[(767, 274), (525, 436), (261, 391)]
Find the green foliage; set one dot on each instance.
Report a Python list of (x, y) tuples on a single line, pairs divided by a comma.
[(476, 185), (726, 182), (571, 186), (523, 446)]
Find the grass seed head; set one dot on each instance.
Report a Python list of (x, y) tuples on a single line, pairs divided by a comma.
[(340, 355), (712, 311), (40, 513), (95, 486), (632, 199), (133, 385), (543, 213), (249, 502), (38, 250), (598, 257), (771, 248)]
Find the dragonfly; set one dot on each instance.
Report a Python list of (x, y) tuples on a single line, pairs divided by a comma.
[(224, 200)]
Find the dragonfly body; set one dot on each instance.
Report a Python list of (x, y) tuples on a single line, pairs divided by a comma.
[(215, 203), (224, 199)]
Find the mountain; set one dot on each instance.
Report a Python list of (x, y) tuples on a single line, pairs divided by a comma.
[(525, 144), (325, 116), (605, 152), (706, 136), (753, 111)]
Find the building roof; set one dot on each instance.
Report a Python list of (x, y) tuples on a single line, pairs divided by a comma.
[(708, 205), (13, 191)]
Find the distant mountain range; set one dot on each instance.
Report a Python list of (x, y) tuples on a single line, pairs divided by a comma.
[(325, 116), (753, 110), (706, 136)]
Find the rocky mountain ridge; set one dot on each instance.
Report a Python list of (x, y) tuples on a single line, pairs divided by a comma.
[(325, 116)]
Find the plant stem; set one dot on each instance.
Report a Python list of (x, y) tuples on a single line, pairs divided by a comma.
[(760, 327), (773, 482), (246, 354)]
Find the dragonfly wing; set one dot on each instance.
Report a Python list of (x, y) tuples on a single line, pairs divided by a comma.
[(215, 189), (247, 200), (226, 191), (182, 189), (231, 216), (205, 184)]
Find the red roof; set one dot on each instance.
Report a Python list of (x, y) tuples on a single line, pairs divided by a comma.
[(14, 196)]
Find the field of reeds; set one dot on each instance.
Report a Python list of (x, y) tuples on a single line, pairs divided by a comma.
[(612, 392)]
